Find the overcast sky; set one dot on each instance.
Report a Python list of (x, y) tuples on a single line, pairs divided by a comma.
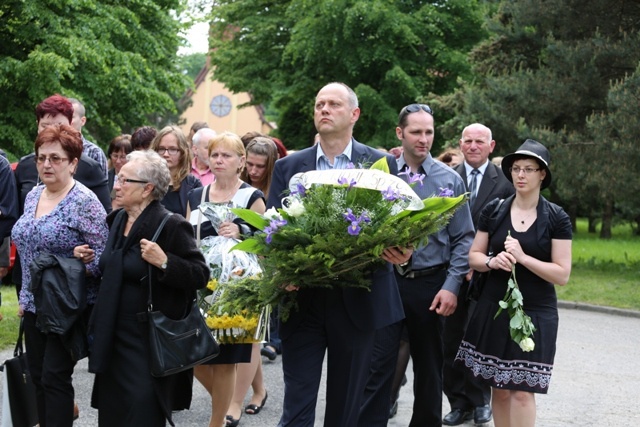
[(197, 38)]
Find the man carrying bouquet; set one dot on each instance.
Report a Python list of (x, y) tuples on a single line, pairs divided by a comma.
[(430, 281), (340, 320)]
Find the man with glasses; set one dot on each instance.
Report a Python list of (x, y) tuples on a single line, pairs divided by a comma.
[(338, 321), (485, 182), (429, 281)]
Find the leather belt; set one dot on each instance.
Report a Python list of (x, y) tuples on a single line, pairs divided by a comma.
[(426, 271)]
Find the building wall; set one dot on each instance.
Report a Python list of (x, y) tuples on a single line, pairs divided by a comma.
[(238, 120)]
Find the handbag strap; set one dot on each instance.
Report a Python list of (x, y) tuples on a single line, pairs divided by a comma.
[(205, 190), (153, 239), (19, 349)]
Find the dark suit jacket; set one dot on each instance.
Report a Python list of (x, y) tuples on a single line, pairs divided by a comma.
[(494, 185), (367, 310), (8, 199)]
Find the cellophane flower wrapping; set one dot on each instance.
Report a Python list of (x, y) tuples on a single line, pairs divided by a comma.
[(244, 321), (332, 230)]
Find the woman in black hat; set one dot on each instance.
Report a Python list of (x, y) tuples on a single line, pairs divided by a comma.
[(532, 235)]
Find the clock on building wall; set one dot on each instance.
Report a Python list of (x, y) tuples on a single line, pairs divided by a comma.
[(220, 105)]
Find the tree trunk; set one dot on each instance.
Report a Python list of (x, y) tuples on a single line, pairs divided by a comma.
[(607, 219), (593, 223)]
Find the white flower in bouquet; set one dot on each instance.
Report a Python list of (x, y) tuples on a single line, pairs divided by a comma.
[(293, 206), (272, 213)]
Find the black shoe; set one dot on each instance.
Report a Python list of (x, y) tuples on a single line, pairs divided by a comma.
[(394, 410), (482, 414), (456, 417), (269, 353)]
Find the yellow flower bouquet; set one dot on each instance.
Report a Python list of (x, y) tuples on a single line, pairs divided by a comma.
[(244, 322)]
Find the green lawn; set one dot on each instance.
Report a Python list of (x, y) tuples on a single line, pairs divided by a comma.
[(10, 321), (605, 272)]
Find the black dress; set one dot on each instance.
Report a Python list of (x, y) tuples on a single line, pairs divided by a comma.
[(244, 198), (487, 351), (134, 401)]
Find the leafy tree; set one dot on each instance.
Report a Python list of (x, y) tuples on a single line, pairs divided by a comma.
[(192, 64), (118, 57), (546, 69), (390, 51)]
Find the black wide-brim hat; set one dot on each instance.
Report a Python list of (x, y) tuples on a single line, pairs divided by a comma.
[(529, 148)]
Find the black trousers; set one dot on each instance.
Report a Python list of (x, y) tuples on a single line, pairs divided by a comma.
[(51, 369), (325, 328), (374, 411), (462, 391), (425, 329)]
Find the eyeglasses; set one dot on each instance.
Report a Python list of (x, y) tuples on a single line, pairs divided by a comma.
[(54, 160), (528, 171), (172, 151), (122, 180), (115, 157), (413, 108)]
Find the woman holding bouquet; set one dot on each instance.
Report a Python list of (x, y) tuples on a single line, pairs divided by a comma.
[(533, 236), (227, 160), (262, 154)]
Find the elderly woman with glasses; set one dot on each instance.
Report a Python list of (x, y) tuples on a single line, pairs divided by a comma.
[(124, 391), (61, 217), (529, 238), (172, 145), (117, 152)]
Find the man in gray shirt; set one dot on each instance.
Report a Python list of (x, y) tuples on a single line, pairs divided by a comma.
[(430, 280)]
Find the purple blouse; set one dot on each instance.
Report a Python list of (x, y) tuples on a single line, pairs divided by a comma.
[(78, 219)]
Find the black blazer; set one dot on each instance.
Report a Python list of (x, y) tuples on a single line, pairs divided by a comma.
[(494, 185), (367, 310)]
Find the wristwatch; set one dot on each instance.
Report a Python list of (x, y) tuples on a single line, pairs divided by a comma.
[(164, 264), (488, 261)]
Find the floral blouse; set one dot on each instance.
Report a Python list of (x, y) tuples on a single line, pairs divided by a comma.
[(78, 219)]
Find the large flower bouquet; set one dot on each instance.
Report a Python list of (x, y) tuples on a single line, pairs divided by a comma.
[(247, 320), (332, 230)]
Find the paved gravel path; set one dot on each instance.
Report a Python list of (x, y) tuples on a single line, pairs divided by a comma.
[(596, 380)]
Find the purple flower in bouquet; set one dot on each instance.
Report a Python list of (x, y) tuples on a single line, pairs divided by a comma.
[(390, 194), (354, 228), (413, 177), (300, 190), (445, 192), (343, 181), (272, 228)]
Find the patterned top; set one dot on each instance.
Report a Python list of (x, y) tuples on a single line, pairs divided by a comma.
[(78, 219)]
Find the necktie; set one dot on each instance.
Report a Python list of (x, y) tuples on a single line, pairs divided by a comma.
[(473, 187)]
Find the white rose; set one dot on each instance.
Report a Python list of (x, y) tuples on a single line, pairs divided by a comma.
[(295, 207), (527, 344), (272, 213)]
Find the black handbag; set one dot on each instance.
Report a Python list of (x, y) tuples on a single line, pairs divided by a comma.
[(20, 388), (177, 345)]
